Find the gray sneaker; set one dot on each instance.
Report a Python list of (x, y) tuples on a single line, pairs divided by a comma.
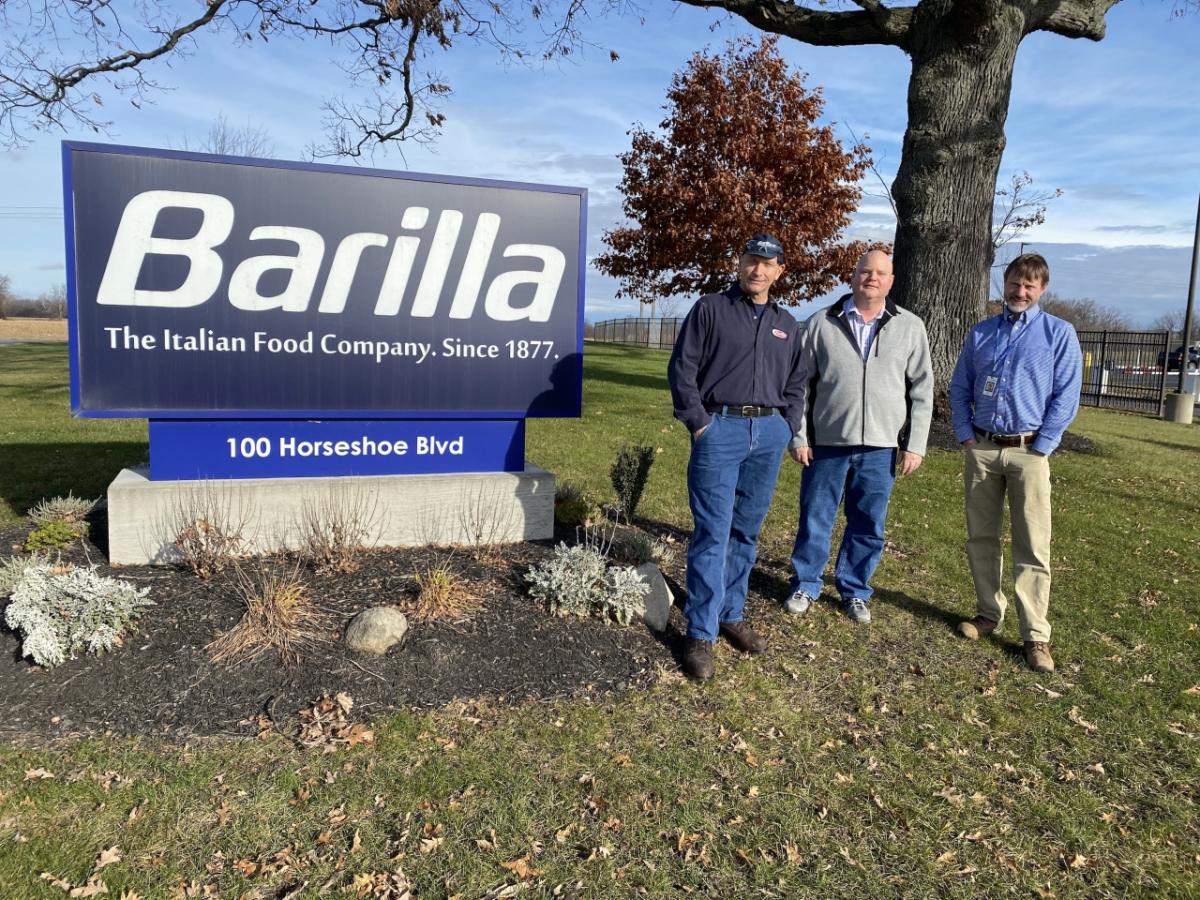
[(856, 609), (799, 603)]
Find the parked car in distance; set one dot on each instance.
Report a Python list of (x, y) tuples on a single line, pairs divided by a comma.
[(1177, 356)]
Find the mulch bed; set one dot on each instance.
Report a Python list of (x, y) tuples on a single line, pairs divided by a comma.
[(509, 649), (163, 682), (941, 435)]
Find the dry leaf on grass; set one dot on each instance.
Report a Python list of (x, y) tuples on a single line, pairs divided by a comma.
[(325, 725), (107, 857), (521, 868), (38, 774), (1075, 716)]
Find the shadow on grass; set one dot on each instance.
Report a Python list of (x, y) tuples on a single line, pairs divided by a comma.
[(1172, 445), (35, 472)]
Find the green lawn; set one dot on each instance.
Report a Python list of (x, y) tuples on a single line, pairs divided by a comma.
[(892, 760)]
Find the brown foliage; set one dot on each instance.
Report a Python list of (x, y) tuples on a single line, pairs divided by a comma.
[(739, 153)]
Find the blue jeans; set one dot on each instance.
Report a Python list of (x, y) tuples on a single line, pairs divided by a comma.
[(863, 476), (731, 479)]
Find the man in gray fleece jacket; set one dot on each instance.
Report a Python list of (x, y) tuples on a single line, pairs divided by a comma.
[(869, 400)]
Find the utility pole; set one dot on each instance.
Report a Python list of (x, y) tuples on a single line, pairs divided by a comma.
[(1180, 404)]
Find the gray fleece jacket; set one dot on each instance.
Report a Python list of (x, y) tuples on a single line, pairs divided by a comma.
[(886, 401)]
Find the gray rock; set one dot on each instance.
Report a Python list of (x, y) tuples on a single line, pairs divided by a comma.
[(376, 630), (659, 600)]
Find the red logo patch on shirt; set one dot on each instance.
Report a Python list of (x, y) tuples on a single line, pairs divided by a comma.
[(779, 334)]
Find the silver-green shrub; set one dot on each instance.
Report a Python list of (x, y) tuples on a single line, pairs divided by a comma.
[(635, 547), (12, 571), (61, 612), (67, 510), (578, 581)]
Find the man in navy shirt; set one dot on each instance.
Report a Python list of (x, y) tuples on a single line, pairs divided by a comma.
[(1014, 391), (736, 385)]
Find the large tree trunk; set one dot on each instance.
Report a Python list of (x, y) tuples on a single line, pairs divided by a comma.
[(962, 64)]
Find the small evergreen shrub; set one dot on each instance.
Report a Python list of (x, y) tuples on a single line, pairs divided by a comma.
[(53, 534), (629, 474), (60, 612), (67, 510), (572, 507), (578, 581)]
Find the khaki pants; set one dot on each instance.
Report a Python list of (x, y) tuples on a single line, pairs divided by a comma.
[(989, 473)]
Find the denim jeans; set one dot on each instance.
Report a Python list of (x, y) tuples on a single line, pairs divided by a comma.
[(731, 479), (863, 476)]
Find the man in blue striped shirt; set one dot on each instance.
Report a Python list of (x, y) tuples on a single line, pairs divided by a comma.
[(1014, 391)]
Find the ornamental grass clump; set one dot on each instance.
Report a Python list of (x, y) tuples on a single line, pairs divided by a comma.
[(578, 581), (61, 611), (442, 592), (279, 616)]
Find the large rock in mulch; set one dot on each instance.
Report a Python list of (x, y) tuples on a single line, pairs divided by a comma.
[(659, 600), (376, 630)]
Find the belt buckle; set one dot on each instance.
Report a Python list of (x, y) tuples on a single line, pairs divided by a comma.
[(749, 410)]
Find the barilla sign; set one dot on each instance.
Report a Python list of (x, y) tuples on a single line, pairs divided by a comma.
[(212, 287)]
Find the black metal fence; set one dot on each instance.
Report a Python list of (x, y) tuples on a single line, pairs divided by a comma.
[(655, 333), (1125, 369)]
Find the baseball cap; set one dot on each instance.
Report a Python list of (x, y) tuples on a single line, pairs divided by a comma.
[(766, 246)]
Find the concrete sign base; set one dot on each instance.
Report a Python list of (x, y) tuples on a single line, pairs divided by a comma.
[(146, 517)]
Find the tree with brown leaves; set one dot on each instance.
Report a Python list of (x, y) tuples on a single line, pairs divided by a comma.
[(963, 53), (738, 153)]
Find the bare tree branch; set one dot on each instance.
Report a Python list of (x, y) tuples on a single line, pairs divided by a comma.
[(382, 43), (873, 24), (1071, 18)]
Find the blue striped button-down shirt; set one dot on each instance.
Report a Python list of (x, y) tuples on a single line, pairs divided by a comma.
[(1035, 371)]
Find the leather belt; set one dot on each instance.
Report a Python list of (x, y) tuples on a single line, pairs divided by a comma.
[(1008, 440), (740, 409)]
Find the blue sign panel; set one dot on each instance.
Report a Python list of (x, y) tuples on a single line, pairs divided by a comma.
[(275, 448), (213, 287)]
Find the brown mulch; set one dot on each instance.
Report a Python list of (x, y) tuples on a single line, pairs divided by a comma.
[(163, 682), (941, 435)]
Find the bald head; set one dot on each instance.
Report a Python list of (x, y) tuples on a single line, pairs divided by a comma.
[(872, 280)]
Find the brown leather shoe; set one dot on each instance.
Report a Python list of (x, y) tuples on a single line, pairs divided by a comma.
[(1037, 656), (976, 628), (743, 637), (698, 658)]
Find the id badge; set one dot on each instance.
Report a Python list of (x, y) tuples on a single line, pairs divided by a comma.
[(989, 385)]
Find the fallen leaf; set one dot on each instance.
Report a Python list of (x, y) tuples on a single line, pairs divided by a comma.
[(38, 774), (54, 880), (1074, 716), (1053, 695), (428, 845), (94, 888), (521, 868), (946, 857), (107, 857)]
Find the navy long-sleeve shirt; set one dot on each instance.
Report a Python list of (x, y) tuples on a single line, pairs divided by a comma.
[(731, 351)]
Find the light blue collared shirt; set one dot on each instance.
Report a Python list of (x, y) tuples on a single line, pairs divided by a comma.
[(1034, 369), (864, 331)]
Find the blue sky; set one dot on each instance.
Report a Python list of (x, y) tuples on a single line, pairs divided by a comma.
[(1114, 124)]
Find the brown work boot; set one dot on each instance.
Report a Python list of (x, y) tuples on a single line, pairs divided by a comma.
[(1037, 656), (743, 637), (976, 628), (698, 658)]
